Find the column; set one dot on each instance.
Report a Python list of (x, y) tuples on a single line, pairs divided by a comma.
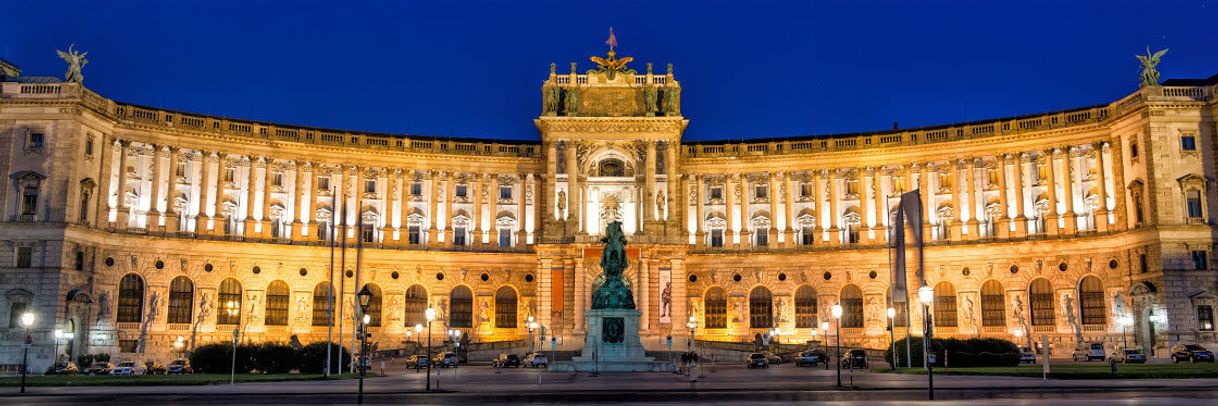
[(392, 189), (729, 203), (1003, 226), (835, 234), (818, 228), (494, 210), (957, 200), (297, 232), (1071, 153), (101, 201), (153, 218), (124, 210), (1051, 216), (648, 211), (538, 219), (449, 178), (526, 180), (775, 215), (700, 219), (674, 213), (171, 213), (550, 212), (1101, 212), (1021, 220), (923, 181), (474, 193), (745, 220), (218, 217), (251, 198), (881, 208), (865, 204), (572, 187), (974, 229), (433, 212), (789, 211), (202, 218), (267, 189)]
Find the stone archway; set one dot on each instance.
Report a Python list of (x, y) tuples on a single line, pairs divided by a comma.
[(1142, 297)]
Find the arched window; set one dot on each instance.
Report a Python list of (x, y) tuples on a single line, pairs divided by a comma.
[(374, 305), (505, 308), (945, 305), (277, 298), (1040, 293), (805, 307), (1091, 300), (852, 307), (322, 309), (761, 308), (715, 305), (416, 305), (230, 292), (610, 167), (461, 305), (131, 299), (181, 300), (993, 304)]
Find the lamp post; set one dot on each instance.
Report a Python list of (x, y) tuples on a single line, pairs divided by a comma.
[(837, 315), (774, 333), (693, 327), (365, 298), (27, 320), (431, 316), (1125, 321), (892, 335), (824, 326), (530, 324), (926, 295), (418, 339), (58, 336), (234, 310), (178, 345)]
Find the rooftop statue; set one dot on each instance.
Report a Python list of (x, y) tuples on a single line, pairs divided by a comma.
[(76, 61), (613, 293), (1150, 75)]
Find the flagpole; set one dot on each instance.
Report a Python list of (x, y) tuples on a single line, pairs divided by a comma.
[(357, 310), (342, 279), (330, 286)]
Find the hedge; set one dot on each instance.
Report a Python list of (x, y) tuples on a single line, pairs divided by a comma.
[(312, 357), (954, 352)]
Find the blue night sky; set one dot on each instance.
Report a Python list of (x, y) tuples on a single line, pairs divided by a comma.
[(749, 69)]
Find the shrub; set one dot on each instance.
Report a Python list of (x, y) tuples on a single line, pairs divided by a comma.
[(218, 357), (84, 361), (275, 358), (103, 357), (954, 352), (312, 357)]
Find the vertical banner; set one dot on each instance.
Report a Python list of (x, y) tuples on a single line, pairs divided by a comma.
[(556, 297), (665, 295)]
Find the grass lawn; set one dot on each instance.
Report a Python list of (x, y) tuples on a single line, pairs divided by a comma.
[(1083, 371), (194, 379)]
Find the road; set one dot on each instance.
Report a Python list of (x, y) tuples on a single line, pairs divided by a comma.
[(723, 384)]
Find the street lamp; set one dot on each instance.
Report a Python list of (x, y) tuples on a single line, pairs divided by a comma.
[(774, 333), (693, 327), (431, 316), (837, 315), (418, 337), (27, 320), (234, 310), (1125, 321), (892, 335), (58, 336), (926, 295), (529, 324), (178, 345), (824, 326), (365, 298)]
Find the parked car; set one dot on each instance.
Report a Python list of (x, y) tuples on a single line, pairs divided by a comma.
[(1088, 352), (417, 362), (64, 368), (1191, 353), (179, 367), (1128, 356), (100, 368), (855, 359), (1026, 355), (155, 368), (446, 360), (506, 361), (129, 368), (757, 360), (811, 358), (536, 359), (773, 358)]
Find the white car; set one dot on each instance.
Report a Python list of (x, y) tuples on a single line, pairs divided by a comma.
[(129, 368), (536, 359)]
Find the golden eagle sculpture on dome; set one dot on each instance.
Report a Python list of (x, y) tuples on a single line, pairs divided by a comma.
[(611, 66)]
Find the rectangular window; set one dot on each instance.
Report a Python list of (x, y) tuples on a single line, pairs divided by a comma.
[(852, 187), (230, 174), (1188, 143), (79, 264), (323, 230), (35, 141), (323, 183), (760, 192), (29, 201), (413, 235), (1200, 262), (277, 179), (505, 192), (461, 191), (805, 189), (416, 189), (369, 233), (14, 313), (89, 146), (763, 238), (1142, 263), (505, 237), (945, 180), (370, 186), (1205, 317), (1194, 204), (716, 193), (1133, 150), (716, 238), (180, 171), (459, 236), (25, 257), (806, 236)]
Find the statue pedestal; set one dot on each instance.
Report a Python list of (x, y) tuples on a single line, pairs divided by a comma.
[(612, 345)]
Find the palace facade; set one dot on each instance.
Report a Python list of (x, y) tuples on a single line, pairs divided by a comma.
[(131, 226)]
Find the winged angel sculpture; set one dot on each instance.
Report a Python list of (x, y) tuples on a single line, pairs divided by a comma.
[(1150, 75), (76, 61)]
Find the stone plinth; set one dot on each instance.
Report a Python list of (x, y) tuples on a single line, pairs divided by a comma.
[(612, 345)]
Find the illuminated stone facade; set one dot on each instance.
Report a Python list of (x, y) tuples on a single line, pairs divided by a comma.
[(132, 226)]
